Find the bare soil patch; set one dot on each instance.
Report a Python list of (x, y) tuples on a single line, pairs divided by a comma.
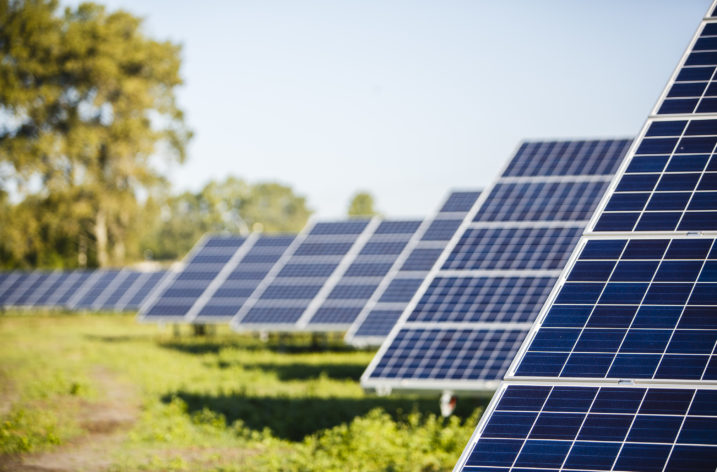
[(106, 424)]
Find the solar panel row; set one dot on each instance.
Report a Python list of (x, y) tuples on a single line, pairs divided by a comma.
[(619, 372), (402, 278), (305, 276), (497, 271), (115, 290)]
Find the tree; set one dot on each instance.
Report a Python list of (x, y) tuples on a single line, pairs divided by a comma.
[(87, 103), (362, 205), (232, 205)]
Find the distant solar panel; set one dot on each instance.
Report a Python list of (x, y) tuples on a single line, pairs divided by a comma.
[(93, 289), (25, 293), (49, 291), (620, 370), (142, 290), (179, 292), (13, 287), (238, 279), (306, 266), (498, 269), (341, 302), (403, 277)]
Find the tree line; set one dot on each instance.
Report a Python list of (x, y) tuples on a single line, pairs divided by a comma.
[(88, 110)]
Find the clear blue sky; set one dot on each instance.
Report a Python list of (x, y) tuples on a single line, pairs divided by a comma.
[(407, 99)]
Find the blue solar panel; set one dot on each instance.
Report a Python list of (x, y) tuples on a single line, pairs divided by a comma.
[(54, 282), (421, 259), (598, 428), (694, 90), (513, 248), (595, 157), (113, 297), (336, 228), (74, 285), (141, 290), (441, 230), (302, 272), (449, 354), (342, 302), (406, 272), (28, 292), (225, 300), (368, 269), (88, 297), (460, 202), (630, 310), (671, 182), (483, 299), (378, 323), (203, 265), (401, 289), (14, 285), (542, 201), (502, 263)]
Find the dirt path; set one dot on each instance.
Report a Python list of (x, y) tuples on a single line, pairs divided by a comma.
[(106, 424)]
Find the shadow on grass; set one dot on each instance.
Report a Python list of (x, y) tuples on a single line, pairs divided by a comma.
[(305, 371), (290, 346), (295, 418)]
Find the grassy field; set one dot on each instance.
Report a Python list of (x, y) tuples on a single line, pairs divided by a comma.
[(102, 392)]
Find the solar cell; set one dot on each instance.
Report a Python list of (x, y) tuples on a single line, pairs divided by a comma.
[(500, 264), (619, 372), (402, 277)]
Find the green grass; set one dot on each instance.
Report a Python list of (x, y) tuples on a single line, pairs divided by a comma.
[(226, 402)]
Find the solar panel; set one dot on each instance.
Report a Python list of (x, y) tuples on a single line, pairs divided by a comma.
[(43, 289), (179, 292), (497, 270), (341, 302), (87, 297), (238, 279), (142, 290), (619, 371), (403, 277), (17, 287), (28, 290), (118, 286), (308, 268)]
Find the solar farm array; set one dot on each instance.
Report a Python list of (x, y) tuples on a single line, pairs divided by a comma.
[(619, 373), (111, 290), (473, 309)]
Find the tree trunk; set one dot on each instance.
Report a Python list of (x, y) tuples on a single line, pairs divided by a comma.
[(101, 237)]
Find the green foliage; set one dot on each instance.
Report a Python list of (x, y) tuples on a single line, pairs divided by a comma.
[(224, 403), (413, 443), (362, 205), (87, 102), (232, 205), (28, 430)]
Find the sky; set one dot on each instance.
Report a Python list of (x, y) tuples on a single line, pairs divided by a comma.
[(406, 99)]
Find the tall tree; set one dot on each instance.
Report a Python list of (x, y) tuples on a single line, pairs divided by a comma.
[(362, 205), (87, 101)]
